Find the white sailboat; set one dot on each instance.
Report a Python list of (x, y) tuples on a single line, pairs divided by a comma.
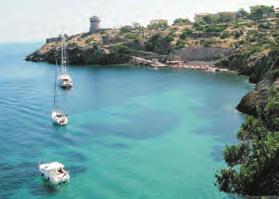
[(57, 115), (64, 79)]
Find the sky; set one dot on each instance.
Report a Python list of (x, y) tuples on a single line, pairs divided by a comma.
[(36, 20)]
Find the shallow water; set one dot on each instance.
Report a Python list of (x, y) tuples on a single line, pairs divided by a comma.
[(133, 132)]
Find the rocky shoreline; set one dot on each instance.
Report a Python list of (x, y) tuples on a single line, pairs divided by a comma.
[(88, 56), (98, 54)]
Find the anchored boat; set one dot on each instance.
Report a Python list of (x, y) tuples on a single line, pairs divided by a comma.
[(64, 79), (57, 115), (54, 172), (60, 118)]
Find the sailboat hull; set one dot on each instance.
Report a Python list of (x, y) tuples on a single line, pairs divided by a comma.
[(65, 81), (59, 118)]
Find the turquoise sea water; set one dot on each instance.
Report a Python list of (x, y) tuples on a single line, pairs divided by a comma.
[(133, 133)]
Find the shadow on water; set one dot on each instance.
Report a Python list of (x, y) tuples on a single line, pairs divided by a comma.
[(144, 125), (14, 176), (222, 129), (72, 156), (116, 145), (217, 153), (77, 169), (218, 110), (42, 187)]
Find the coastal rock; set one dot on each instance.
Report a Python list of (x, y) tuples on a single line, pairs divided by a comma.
[(256, 67), (260, 66), (80, 55), (249, 102), (253, 100)]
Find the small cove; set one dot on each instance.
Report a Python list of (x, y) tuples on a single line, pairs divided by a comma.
[(133, 132)]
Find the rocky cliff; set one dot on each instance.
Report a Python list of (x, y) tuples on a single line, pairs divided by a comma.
[(262, 67), (80, 55)]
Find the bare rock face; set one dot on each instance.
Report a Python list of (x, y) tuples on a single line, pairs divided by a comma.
[(249, 103)]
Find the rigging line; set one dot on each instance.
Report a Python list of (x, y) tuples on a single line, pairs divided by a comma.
[(65, 56), (62, 53)]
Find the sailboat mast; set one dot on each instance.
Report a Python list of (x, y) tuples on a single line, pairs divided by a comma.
[(65, 58), (55, 85), (62, 54)]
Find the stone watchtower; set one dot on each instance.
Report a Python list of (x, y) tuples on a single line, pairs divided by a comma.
[(94, 24)]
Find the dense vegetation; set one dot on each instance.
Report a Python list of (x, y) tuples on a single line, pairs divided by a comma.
[(254, 162)]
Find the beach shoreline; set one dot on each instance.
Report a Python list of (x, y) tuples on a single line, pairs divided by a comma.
[(201, 66)]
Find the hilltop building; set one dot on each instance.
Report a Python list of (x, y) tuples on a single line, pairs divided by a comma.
[(94, 24), (158, 21), (276, 10)]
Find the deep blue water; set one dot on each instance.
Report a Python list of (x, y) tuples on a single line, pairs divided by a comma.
[(133, 132)]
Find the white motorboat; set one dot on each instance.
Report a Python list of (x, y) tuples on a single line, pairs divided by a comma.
[(64, 79), (54, 172), (57, 115)]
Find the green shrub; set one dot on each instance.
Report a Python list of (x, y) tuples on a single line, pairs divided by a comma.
[(224, 62), (206, 42), (214, 28), (150, 44), (237, 34), (185, 33), (254, 160), (181, 21), (198, 26), (120, 49), (260, 11), (180, 44), (125, 29), (235, 154), (271, 110), (131, 35), (210, 19), (169, 38), (265, 25), (225, 35), (242, 13)]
